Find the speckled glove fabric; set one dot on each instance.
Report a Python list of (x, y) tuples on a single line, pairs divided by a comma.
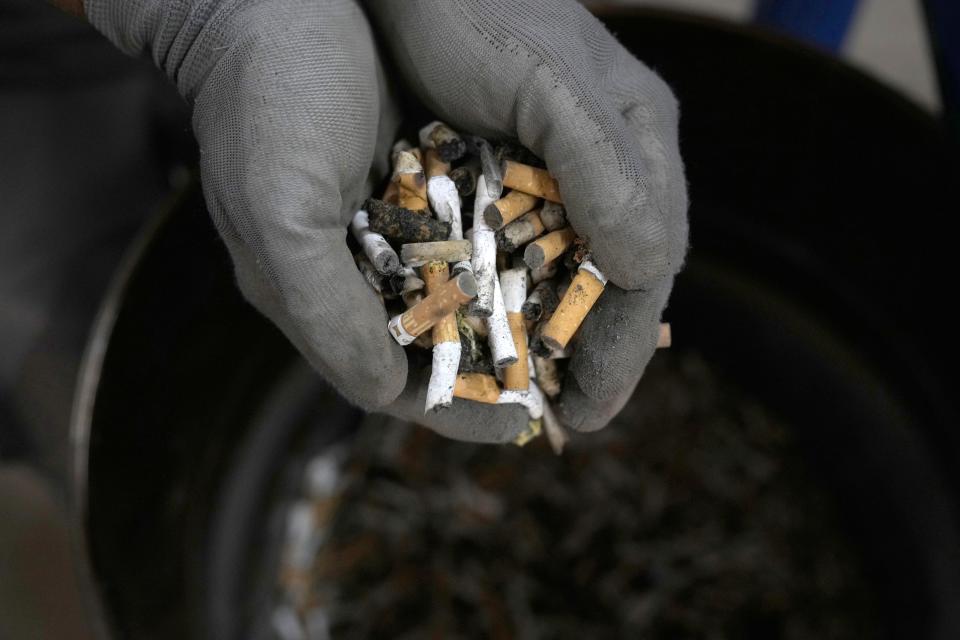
[(549, 74), (294, 119)]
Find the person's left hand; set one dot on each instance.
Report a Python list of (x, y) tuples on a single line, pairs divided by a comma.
[(550, 74)]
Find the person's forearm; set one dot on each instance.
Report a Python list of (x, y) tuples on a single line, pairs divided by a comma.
[(74, 7)]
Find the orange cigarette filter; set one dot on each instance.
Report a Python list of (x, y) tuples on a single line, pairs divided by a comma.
[(509, 208), (445, 300), (549, 247), (479, 387), (580, 297), (532, 180), (517, 375)]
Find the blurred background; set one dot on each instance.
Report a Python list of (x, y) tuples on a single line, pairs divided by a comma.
[(787, 470)]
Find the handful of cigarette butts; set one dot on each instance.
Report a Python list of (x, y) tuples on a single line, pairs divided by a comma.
[(498, 302)]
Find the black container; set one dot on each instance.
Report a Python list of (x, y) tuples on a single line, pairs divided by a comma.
[(819, 280)]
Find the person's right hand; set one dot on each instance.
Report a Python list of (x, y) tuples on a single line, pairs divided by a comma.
[(294, 120)]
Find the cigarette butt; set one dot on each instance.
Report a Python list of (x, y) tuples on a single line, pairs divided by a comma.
[(534, 427), (500, 336), (445, 201), (446, 345), (536, 182), (465, 178), (513, 285), (548, 248), (508, 208), (446, 299), (548, 375), (580, 297), (445, 141), (553, 216), (381, 255), (490, 168), (411, 182), (433, 166), (416, 254), (412, 291), (520, 231), (484, 253), (542, 301), (443, 375), (665, 338), (403, 225), (479, 387)]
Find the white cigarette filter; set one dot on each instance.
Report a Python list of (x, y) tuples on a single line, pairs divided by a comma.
[(500, 337), (445, 202), (381, 255), (484, 257)]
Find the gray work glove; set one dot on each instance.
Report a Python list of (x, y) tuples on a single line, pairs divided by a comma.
[(294, 120), (549, 74)]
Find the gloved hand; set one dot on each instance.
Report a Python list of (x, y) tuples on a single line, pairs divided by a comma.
[(294, 120), (549, 74)]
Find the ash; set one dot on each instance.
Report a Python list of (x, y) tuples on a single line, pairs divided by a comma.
[(691, 515)]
